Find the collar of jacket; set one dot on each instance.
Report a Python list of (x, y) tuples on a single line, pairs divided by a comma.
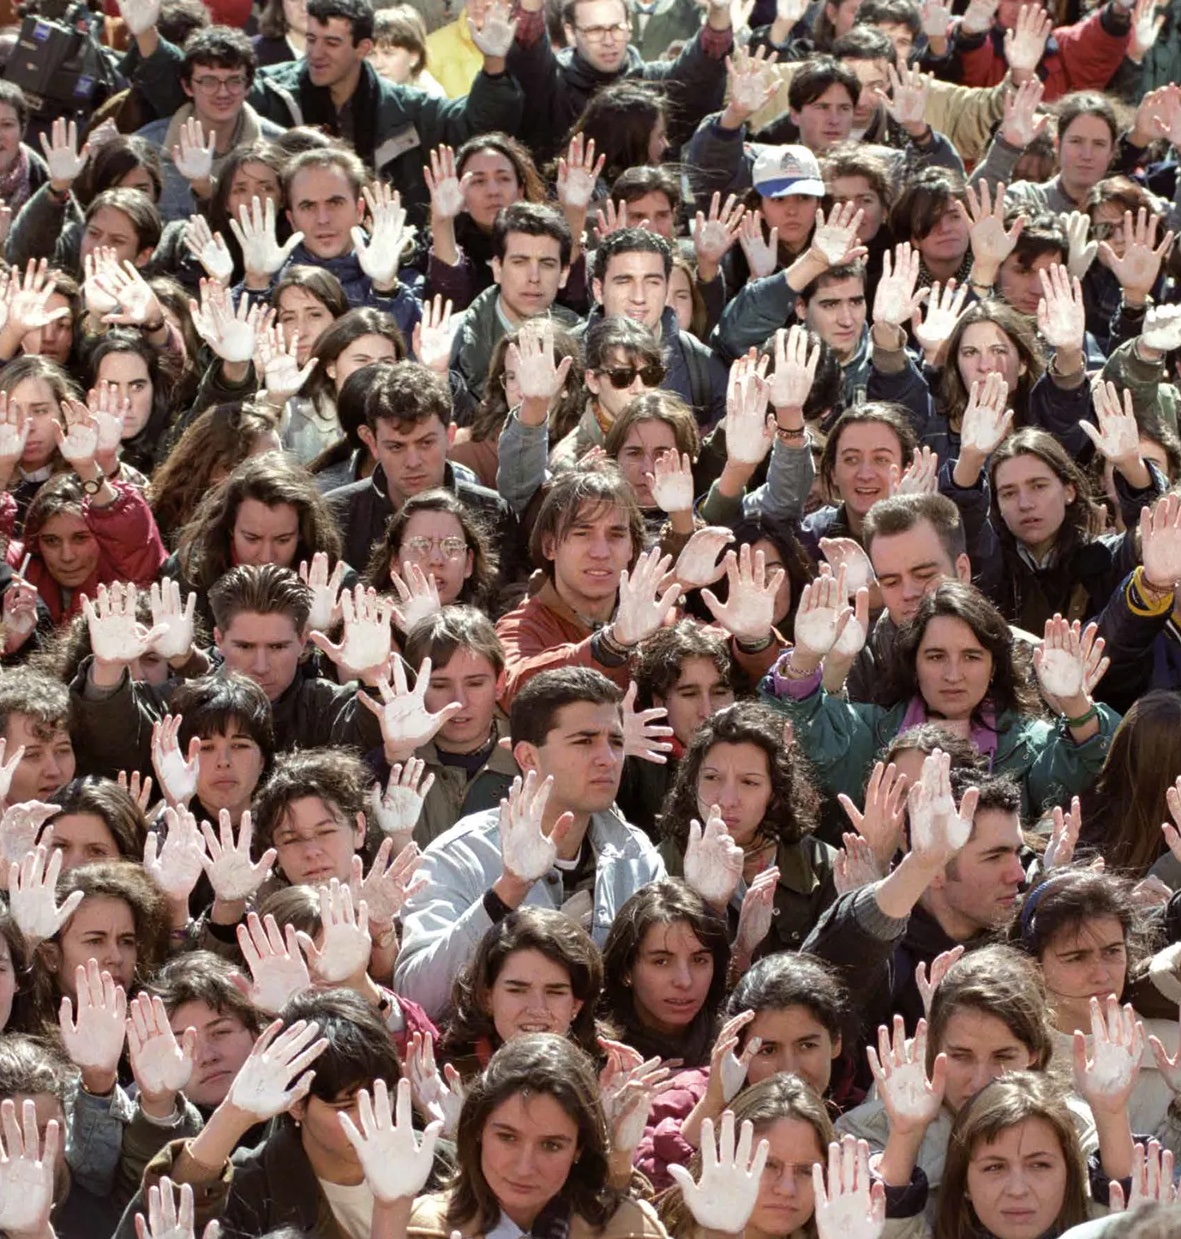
[(582, 74), (797, 872), (500, 760), (346, 267), (547, 596), (378, 482)]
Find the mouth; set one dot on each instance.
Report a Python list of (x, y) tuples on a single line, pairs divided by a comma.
[(535, 1028)]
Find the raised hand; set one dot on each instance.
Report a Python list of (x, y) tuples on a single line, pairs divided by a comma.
[(78, 441), (936, 20), (1070, 661), (346, 943), (380, 254), (495, 35), (539, 377), (434, 335), (762, 253), (325, 590), (28, 836), (855, 865), (751, 85), (526, 851), (176, 773), (176, 866), (835, 240), (1025, 43), (389, 884), (846, 553), (912, 1100), (232, 874), (278, 970), (116, 636), (978, 16), (578, 171), (896, 302), (406, 723), (1061, 315), (612, 217), (94, 1041), (795, 369), (26, 1170), (1081, 250), (986, 421), (713, 861), (262, 255), (672, 482), (62, 157), (418, 596), (96, 266), (193, 158), (447, 193), (1147, 20), (15, 425), (907, 100), (1162, 328), (644, 733), (749, 610), (821, 617), (749, 428), (165, 1220), (396, 1163), (933, 330), (642, 608), (439, 1098), (853, 1205), (1063, 836), (921, 476), (139, 15), (1160, 542), (937, 828), (1139, 265), (21, 823), (726, 1193), (1152, 1175), (137, 303), (364, 650), (161, 1066), (209, 249), (991, 241), (1104, 1079), (1022, 123), (698, 563), (1117, 437), (276, 363), (757, 912), (714, 234), (231, 334), (882, 822), (940, 966), (32, 898), (277, 1075)]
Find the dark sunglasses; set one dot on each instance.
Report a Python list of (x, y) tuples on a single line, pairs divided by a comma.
[(624, 376)]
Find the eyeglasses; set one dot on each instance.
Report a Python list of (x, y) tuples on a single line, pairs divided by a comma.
[(597, 34), (1107, 232), (210, 85), (652, 375), (421, 548)]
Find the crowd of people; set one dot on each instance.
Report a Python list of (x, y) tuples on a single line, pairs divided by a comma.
[(589, 624)]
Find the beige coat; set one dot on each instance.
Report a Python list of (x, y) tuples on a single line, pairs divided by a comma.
[(634, 1219)]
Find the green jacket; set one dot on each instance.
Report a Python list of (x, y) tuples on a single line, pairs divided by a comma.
[(843, 738), (1154, 398)]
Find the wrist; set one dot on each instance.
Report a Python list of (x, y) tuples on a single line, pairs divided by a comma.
[(510, 889), (99, 1081), (983, 273), (1136, 296), (157, 1105), (803, 662), (733, 118)]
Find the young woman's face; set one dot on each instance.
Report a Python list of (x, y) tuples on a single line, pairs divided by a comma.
[(10, 136), (300, 312), (785, 1201), (1088, 962), (861, 470), (680, 297), (435, 541), (323, 1138), (223, 1045), (295, 14), (795, 1041), (316, 842), (1017, 1183), (1084, 153), (36, 398), (264, 534), (363, 351), (56, 337), (737, 779), (493, 185), (102, 929), (531, 994), (69, 550), (527, 1149), (128, 374), (984, 349), (7, 983), (979, 1048), (671, 977), (1032, 500), (140, 178), (82, 838), (952, 667), (395, 64), (645, 444), (794, 216), (858, 190), (231, 766), (253, 180)]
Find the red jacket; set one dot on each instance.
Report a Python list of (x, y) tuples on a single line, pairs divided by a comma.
[(1084, 56), (129, 549)]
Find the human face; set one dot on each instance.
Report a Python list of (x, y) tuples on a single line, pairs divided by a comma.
[(900, 36), (529, 275), (1108, 219), (1090, 961), (658, 142), (979, 1048), (979, 887), (785, 1202), (589, 559), (583, 751), (827, 120), (447, 560), (527, 1149), (494, 185), (613, 400), (253, 180), (109, 226), (633, 286), (316, 842), (671, 977), (140, 178), (68, 549), (984, 349), (300, 312), (470, 679), (837, 314), (1032, 500), (699, 692), (1017, 1183), (10, 136), (656, 209), (328, 1150), (217, 93), (265, 535), (948, 241), (102, 929), (842, 15), (953, 668), (532, 994), (57, 337), (600, 34), (48, 764), (295, 14), (646, 443), (1084, 153), (413, 455), (737, 779), (873, 78), (793, 1040), (128, 374), (324, 207), (333, 59), (396, 64), (680, 297), (264, 647), (861, 471), (35, 397), (223, 1045), (793, 215), (82, 838), (363, 351), (1021, 285), (908, 565), (231, 766), (772, 561), (7, 983), (861, 193)]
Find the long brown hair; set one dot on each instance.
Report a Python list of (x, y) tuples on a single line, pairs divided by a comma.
[(1020, 332), (1076, 527)]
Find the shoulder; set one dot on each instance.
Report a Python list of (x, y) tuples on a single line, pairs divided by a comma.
[(473, 830), (480, 497), (632, 1217), (428, 1215)]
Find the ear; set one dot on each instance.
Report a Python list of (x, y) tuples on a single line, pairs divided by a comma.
[(186, 88), (578, 1004), (548, 546), (452, 431), (795, 116), (597, 290), (1071, 493), (144, 257), (570, 33), (497, 268), (963, 569), (366, 436), (217, 636), (361, 831), (563, 277), (836, 1046), (364, 48), (526, 756), (49, 955), (801, 309), (299, 1110), (593, 383), (469, 564), (330, 371)]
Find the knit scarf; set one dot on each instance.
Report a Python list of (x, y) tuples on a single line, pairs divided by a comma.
[(315, 102), (14, 184)]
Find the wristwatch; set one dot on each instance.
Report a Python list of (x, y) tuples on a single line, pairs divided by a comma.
[(94, 484)]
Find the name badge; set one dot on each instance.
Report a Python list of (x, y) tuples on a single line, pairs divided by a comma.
[(405, 139)]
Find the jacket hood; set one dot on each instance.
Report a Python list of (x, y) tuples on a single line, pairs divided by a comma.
[(584, 76)]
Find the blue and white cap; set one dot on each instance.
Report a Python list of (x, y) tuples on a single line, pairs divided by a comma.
[(781, 171)]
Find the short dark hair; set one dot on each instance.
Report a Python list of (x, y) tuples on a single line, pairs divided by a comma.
[(403, 393), (567, 500), (865, 43), (358, 13), (113, 805), (261, 589), (924, 202), (44, 701), (646, 179), (854, 270), (211, 704), (220, 46), (533, 219), (535, 708), (12, 94), (661, 657), (620, 332), (339, 157), (359, 1048), (138, 208), (895, 12), (202, 976), (631, 241), (439, 636), (901, 513), (815, 76), (1043, 234), (570, 10), (336, 776)]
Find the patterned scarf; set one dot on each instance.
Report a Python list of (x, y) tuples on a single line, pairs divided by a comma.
[(14, 184)]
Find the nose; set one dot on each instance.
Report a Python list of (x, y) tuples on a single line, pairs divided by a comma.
[(1025, 500), (259, 662), (599, 548), (682, 978), (221, 758), (981, 1075), (436, 556), (1014, 871)]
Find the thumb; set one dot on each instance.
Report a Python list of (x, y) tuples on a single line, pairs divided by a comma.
[(360, 241), (562, 828), (295, 239), (321, 642)]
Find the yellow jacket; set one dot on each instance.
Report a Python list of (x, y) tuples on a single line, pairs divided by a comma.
[(634, 1219), (452, 58)]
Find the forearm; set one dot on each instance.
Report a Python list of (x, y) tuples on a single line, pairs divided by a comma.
[(204, 1157), (1116, 1146), (898, 892), (898, 1158), (391, 1218)]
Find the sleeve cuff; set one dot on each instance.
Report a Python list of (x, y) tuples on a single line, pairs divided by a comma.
[(872, 919)]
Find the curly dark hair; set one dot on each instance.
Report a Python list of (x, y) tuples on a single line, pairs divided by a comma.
[(336, 776), (794, 806)]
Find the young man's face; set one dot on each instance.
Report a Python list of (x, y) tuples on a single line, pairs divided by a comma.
[(634, 285), (908, 565), (828, 119), (980, 884), (332, 56), (469, 678), (110, 227), (583, 751), (837, 314), (1020, 285), (529, 275), (656, 209), (900, 35), (48, 764), (595, 550), (223, 1045), (316, 842), (324, 207), (700, 691), (873, 77), (217, 92), (266, 648), (413, 455), (600, 34)]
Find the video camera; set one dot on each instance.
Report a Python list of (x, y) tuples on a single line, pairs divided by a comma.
[(57, 61)]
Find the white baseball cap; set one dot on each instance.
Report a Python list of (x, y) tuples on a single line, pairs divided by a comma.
[(781, 171)]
